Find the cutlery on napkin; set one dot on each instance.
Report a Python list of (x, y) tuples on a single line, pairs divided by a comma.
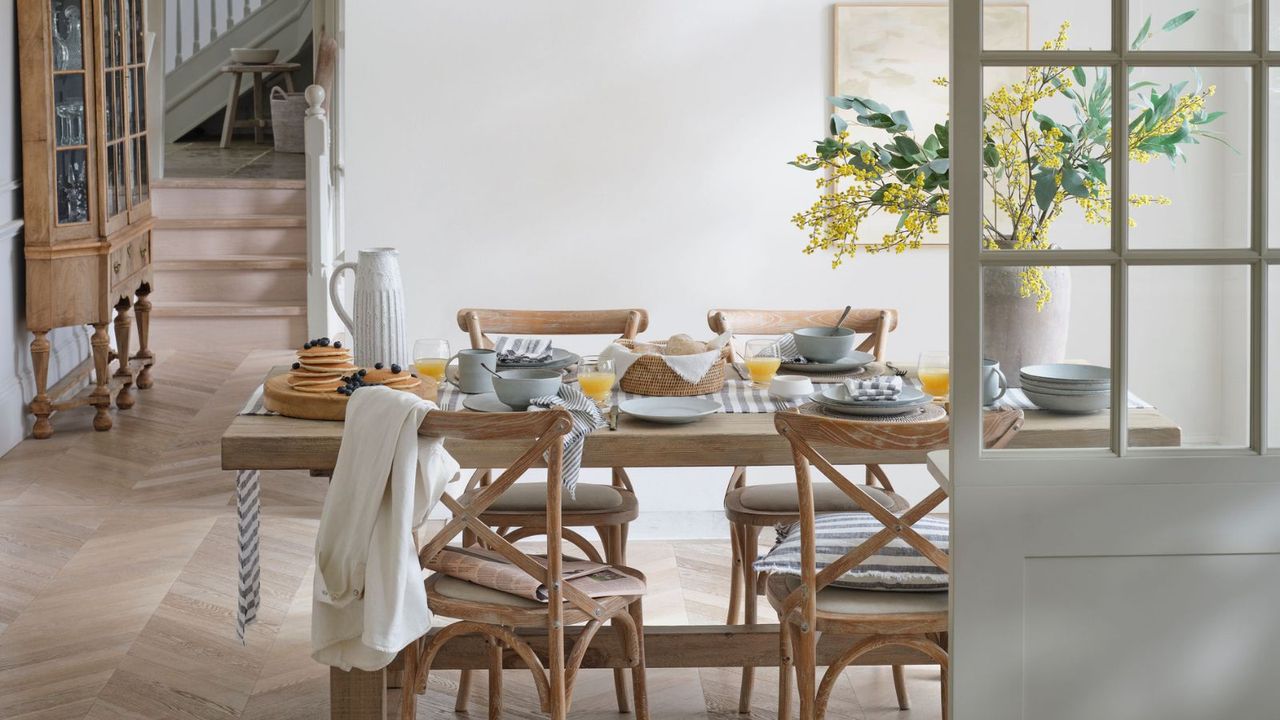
[(516, 350), (880, 387)]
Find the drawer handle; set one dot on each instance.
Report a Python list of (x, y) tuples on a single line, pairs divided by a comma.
[(116, 267), (142, 251)]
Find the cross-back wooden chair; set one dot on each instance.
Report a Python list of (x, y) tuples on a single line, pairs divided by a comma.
[(751, 509), (495, 614), (608, 509), (809, 605)]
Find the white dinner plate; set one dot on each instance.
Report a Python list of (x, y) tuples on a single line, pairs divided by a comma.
[(839, 395), (670, 410), (486, 402), (863, 410), (852, 361)]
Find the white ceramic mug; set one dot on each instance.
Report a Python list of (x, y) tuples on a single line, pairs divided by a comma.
[(994, 383)]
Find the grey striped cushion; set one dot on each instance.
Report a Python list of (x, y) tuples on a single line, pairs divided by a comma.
[(895, 567)]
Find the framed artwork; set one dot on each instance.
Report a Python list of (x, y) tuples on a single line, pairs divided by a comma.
[(893, 52)]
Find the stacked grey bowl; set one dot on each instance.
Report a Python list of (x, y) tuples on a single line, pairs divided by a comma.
[(1067, 387)]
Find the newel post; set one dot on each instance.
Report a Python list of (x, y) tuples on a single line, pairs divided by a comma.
[(319, 229)]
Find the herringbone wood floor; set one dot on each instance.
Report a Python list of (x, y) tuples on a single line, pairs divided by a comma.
[(117, 579)]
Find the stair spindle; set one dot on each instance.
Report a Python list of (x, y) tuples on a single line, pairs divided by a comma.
[(177, 34), (230, 11), (246, 8), (213, 21), (195, 25)]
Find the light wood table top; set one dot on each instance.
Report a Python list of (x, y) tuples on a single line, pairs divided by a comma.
[(261, 442)]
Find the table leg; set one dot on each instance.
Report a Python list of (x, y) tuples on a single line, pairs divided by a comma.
[(357, 695), (229, 118), (288, 82), (257, 108), (248, 512)]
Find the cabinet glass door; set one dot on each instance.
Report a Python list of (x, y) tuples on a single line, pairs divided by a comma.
[(136, 57), (71, 166)]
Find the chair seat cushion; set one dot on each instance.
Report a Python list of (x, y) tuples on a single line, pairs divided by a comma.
[(784, 498), (897, 566), (532, 497), (844, 601)]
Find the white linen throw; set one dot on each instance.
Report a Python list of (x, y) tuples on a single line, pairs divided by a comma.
[(518, 350), (880, 387), (369, 600)]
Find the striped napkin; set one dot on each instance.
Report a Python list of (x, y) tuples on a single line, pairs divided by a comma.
[(518, 350), (880, 387), (586, 418), (788, 351)]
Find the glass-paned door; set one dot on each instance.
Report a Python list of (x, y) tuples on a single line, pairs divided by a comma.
[(126, 185), (70, 113), (1111, 245)]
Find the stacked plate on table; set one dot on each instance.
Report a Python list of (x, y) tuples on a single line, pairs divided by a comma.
[(1067, 387), (836, 399), (560, 359)]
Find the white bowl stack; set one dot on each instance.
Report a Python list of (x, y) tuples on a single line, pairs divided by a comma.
[(1067, 387)]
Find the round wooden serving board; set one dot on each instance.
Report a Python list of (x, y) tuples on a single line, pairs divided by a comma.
[(278, 397)]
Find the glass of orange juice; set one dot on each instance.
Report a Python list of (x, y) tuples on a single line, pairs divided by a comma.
[(763, 358), (431, 357), (934, 372), (596, 377)]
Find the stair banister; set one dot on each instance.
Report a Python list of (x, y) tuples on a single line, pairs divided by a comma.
[(321, 319)]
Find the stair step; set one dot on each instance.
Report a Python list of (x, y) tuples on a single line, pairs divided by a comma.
[(230, 222), (234, 262), (209, 308), (252, 332), (222, 199), (192, 243), (231, 183)]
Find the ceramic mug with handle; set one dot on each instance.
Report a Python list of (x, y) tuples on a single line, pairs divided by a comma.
[(994, 383), (474, 368)]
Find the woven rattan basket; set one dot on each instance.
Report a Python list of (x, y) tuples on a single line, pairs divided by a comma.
[(651, 376)]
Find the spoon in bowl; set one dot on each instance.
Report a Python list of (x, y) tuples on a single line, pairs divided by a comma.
[(836, 330)]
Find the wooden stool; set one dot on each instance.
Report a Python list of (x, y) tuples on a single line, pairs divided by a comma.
[(259, 120)]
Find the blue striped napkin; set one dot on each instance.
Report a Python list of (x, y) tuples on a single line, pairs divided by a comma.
[(586, 419), (518, 350)]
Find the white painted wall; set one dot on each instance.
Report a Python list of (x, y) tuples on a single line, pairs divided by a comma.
[(577, 154), (70, 345)]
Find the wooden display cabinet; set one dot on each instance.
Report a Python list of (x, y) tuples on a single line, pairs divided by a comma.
[(86, 192)]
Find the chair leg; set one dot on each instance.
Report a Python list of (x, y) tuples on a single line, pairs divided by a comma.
[(749, 542), (408, 686), (638, 686), (805, 654), (900, 687), (464, 691), (611, 538), (495, 678), (735, 576), (784, 671)]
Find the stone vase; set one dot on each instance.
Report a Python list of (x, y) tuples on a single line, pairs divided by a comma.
[(377, 323), (1014, 333)]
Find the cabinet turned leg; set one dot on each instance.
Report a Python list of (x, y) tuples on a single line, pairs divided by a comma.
[(124, 398), (40, 405), (142, 312), (101, 395)]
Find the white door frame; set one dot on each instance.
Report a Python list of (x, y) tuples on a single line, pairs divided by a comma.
[(1017, 512)]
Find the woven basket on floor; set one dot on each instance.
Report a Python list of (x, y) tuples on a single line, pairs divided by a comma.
[(650, 375), (288, 115)]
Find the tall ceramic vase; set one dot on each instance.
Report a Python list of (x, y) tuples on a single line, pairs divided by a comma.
[(1014, 333), (378, 322)]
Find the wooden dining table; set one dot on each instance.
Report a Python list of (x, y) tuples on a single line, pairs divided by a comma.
[(257, 442)]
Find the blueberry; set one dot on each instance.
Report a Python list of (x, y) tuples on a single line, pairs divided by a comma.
[(395, 369), (324, 342), (377, 366), (362, 372), (297, 365), (337, 344), (306, 346)]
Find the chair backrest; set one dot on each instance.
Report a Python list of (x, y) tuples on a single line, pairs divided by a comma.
[(879, 322), (545, 433), (478, 322), (804, 432)]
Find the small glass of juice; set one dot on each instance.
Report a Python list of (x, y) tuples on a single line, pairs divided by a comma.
[(934, 372), (763, 359), (596, 377), (431, 357)]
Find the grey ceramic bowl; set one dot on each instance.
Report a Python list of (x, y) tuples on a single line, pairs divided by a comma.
[(1070, 404), (254, 56), (1048, 388), (517, 387), (824, 344)]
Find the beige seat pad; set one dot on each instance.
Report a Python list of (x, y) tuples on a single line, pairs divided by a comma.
[(532, 497), (841, 601), (783, 497)]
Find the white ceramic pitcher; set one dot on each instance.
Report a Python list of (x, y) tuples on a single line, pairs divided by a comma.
[(378, 325)]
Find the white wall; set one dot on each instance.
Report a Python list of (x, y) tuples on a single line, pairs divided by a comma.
[(576, 154), (69, 344)]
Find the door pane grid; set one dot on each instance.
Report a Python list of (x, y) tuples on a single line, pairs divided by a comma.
[(1258, 257)]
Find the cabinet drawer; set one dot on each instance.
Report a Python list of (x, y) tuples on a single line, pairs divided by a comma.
[(129, 258)]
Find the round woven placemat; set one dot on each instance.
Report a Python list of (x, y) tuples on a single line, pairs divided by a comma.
[(928, 413)]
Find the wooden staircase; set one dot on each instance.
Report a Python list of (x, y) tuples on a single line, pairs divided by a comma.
[(230, 264)]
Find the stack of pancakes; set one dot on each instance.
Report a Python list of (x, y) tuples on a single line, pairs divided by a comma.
[(320, 368), (400, 380)]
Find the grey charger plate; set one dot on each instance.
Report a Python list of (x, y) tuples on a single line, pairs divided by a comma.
[(868, 410), (560, 358), (486, 402), (852, 361)]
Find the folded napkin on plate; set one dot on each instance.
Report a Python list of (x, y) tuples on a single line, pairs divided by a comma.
[(517, 350), (586, 418), (788, 351), (692, 368), (880, 387)]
